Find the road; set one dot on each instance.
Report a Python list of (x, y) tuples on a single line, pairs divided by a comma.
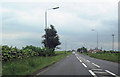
[(78, 64)]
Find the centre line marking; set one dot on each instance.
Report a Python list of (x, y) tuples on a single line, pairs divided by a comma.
[(77, 58), (92, 73), (84, 65), (96, 65), (80, 60), (111, 73)]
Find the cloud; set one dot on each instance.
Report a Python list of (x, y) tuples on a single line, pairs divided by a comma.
[(21, 35), (22, 39), (23, 17), (73, 21), (85, 1)]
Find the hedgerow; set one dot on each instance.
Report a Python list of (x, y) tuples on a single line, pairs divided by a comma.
[(12, 53)]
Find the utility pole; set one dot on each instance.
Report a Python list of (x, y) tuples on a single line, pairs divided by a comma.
[(113, 42)]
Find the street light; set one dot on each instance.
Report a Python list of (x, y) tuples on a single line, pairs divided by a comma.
[(113, 42), (46, 20), (56, 8), (46, 15), (97, 37)]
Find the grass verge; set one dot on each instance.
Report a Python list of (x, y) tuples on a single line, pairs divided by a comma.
[(29, 65), (114, 57)]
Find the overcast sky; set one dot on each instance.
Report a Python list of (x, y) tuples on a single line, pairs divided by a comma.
[(23, 22)]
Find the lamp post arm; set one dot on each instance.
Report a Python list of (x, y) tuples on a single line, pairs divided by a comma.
[(45, 19)]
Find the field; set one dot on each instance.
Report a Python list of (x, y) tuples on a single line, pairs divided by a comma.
[(31, 64), (115, 57)]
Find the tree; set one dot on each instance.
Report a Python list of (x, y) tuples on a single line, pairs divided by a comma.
[(51, 38), (83, 49), (79, 49)]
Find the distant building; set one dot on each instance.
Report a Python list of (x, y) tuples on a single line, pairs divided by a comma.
[(93, 50)]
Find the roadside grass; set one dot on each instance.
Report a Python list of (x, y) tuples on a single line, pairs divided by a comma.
[(114, 57), (29, 65), (59, 52)]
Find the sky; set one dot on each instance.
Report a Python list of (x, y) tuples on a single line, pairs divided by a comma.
[(22, 22)]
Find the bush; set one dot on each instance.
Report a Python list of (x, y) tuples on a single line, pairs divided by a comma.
[(10, 53)]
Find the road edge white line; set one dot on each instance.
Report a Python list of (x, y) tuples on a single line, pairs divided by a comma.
[(92, 73), (111, 73)]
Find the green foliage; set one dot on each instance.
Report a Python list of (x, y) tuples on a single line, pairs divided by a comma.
[(51, 39), (83, 49), (13, 53), (29, 65), (106, 55)]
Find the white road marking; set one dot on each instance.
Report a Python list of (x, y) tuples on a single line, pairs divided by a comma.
[(98, 72), (92, 73), (111, 73), (96, 65), (76, 54), (96, 69), (77, 58), (80, 60), (88, 61), (84, 65)]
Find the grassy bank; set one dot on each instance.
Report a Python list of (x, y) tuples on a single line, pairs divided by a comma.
[(115, 57), (31, 64)]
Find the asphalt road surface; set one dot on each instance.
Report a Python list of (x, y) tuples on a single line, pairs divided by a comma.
[(78, 64)]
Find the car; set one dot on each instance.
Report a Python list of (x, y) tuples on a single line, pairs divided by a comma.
[(73, 52)]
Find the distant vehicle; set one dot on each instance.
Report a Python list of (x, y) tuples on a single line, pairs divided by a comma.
[(73, 52)]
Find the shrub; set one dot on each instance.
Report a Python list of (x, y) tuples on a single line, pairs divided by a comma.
[(10, 53)]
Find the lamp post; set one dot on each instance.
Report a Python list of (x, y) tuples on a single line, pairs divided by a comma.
[(46, 15), (46, 22), (97, 37), (113, 42)]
